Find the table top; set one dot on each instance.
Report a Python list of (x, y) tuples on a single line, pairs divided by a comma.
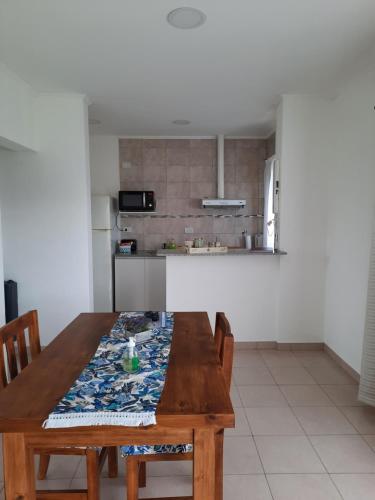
[(194, 393)]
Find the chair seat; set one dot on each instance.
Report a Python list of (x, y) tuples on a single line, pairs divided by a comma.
[(156, 449)]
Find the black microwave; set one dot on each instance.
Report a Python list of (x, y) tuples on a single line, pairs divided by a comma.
[(136, 201)]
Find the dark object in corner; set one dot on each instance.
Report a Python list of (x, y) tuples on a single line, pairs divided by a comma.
[(153, 315), (11, 300)]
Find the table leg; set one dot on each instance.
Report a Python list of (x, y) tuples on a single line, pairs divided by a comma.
[(18, 468), (219, 469), (204, 464)]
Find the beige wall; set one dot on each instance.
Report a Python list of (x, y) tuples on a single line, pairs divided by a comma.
[(182, 172)]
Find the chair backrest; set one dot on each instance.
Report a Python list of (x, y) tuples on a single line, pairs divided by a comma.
[(14, 355), (224, 342)]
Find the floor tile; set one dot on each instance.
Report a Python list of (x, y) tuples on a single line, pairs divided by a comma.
[(235, 397), (166, 487), (319, 420), (310, 358), (355, 486), (305, 395), (291, 375), (273, 421), (177, 468), (302, 487), (330, 374), (246, 358), (344, 454), (61, 466), (261, 395), (259, 375), (288, 454), (370, 440), (343, 395), (241, 456), (110, 489), (363, 418), (274, 358), (81, 469), (54, 484), (242, 425), (252, 486)]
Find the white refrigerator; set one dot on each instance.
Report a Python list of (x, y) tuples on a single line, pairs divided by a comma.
[(102, 225)]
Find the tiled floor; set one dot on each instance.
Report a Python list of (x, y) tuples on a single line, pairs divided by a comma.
[(300, 434)]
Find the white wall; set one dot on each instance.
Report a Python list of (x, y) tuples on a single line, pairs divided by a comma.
[(17, 112), (244, 287), (301, 149), (351, 202), (45, 200), (104, 165)]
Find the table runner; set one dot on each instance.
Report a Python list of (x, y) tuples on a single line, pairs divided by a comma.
[(104, 394)]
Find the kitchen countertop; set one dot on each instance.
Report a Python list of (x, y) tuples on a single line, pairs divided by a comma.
[(140, 253), (165, 253), (231, 252)]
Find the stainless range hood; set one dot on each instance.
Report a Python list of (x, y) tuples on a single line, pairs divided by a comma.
[(221, 201)]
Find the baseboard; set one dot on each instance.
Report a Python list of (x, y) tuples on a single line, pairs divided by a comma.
[(300, 346), (281, 346), (344, 365)]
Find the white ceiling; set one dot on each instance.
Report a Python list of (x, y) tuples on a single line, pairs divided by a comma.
[(225, 77)]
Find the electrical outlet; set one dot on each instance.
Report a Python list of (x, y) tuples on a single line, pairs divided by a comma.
[(127, 229), (189, 230)]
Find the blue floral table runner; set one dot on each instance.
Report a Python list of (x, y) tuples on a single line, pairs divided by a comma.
[(104, 394)]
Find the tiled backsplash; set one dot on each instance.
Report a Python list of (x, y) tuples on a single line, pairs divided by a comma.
[(182, 172)]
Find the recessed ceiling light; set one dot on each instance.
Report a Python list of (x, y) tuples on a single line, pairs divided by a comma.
[(94, 121), (181, 122), (186, 18)]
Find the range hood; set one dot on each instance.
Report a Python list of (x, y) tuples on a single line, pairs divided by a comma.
[(221, 201)]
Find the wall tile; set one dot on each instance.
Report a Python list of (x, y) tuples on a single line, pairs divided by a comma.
[(153, 241), (178, 156), (153, 157), (182, 172), (178, 173), (155, 225), (135, 173), (177, 143), (160, 189), (224, 225), (153, 143), (179, 206), (229, 173), (154, 173), (202, 190), (201, 157), (203, 174), (127, 185), (178, 190)]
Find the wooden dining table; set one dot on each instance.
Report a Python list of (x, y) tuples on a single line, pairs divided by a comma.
[(193, 408)]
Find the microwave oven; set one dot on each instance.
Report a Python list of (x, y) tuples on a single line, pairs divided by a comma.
[(136, 201)]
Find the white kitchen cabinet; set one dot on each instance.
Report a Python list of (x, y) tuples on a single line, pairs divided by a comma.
[(140, 284), (155, 292)]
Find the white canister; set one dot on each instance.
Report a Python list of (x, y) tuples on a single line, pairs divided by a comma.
[(248, 241)]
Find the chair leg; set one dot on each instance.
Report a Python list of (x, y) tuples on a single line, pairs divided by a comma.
[(93, 478), (43, 465), (142, 475), (219, 442), (112, 462), (132, 466)]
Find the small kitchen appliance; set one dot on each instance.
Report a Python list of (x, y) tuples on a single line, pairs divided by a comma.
[(136, 201)]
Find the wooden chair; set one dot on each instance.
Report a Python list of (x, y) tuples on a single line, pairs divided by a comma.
[(14, 357), (136, 464)]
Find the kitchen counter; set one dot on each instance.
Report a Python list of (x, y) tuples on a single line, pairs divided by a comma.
[(231, 252), (180, 252), (139, 254)]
